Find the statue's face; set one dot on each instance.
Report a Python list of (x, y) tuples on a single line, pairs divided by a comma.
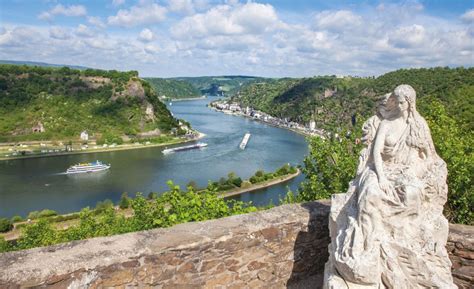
[(390, 103), (402, 103)]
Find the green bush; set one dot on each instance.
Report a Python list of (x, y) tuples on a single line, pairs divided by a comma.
[(124, 201), (259, 173), (38, 234), (152, 196), (47, 213), (101, 206), (16, 219), (63, 218), (253, 180), (33, 215), (5, 225), (4, 245), (237, 182), (329, 167), (246, 184)]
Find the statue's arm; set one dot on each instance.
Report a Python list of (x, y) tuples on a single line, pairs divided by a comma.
[(377, 154)]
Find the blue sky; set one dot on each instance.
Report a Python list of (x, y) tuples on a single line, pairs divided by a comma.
[(297, 38)]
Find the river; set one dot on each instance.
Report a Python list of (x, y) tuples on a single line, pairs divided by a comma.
[(35, 184)]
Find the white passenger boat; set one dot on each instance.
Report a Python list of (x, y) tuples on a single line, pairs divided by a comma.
[(185, 148), (244, 142), (96, 166)]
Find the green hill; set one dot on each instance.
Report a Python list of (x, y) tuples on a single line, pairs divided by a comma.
[(174, 89), (40, 103), (445, 98), (335, 102), (219, 85)]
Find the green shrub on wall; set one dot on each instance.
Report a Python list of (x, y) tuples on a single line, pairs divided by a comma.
[(173, 207)]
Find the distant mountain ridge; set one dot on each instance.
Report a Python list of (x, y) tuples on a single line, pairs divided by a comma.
[(42, 64)]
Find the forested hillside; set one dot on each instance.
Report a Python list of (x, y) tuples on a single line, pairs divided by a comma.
[(174, 89), (333, 102), (38, 103), (219, 85), (445, 98)]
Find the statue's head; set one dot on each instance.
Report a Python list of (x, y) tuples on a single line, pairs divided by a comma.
[(384, 105), (406, 97)]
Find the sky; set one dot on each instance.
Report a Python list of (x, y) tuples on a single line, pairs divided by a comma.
[(273, 38)]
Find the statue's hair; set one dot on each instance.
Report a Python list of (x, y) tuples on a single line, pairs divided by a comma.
[(419, 134)]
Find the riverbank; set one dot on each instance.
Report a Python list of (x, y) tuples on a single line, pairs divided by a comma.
[(269, 120), (106, 149), (259, 186), (188, 98)]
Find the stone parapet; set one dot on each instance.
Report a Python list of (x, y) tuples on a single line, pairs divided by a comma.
[(275, 248), (461, 252), (284, 247)]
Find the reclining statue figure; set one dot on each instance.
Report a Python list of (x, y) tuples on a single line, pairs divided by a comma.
[(388, 230)]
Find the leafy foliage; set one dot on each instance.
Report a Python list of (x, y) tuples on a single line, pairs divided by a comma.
[(172, 88), (5, 225), (455, 146), (67, 101), (445, 98), (233, 181), (329, 167), (173, 207), (124, 202), (219, 85)]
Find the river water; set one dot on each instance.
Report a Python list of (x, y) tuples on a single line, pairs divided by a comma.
[(35, 184)]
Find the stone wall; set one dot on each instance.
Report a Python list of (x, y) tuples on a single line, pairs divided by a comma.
[(461, 252), (284, 247)]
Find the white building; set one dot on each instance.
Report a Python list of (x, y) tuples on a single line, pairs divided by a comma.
[(312, 125), (84, 136)]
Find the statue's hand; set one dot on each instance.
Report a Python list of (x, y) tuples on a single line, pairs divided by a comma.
[(385, 184)]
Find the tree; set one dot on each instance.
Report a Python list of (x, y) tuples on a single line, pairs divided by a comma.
[(192, 184), (454, 144), (5, 225), (38, 234), (124, 201), (329, 167)]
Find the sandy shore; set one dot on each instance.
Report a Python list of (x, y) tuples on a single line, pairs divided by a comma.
[(259, 186)]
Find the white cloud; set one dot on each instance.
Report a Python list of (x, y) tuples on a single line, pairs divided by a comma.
[(72, 11), (96, 21), (84, 31), (60, 33), (248, 38), (337, 20), (181, 6), (146, 35), (6, 38), (249, 18), (137, 15), (152, 49), (406, 37), (118, 2), (468, 16)]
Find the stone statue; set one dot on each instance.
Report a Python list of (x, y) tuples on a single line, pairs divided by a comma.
[(388, 230)]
